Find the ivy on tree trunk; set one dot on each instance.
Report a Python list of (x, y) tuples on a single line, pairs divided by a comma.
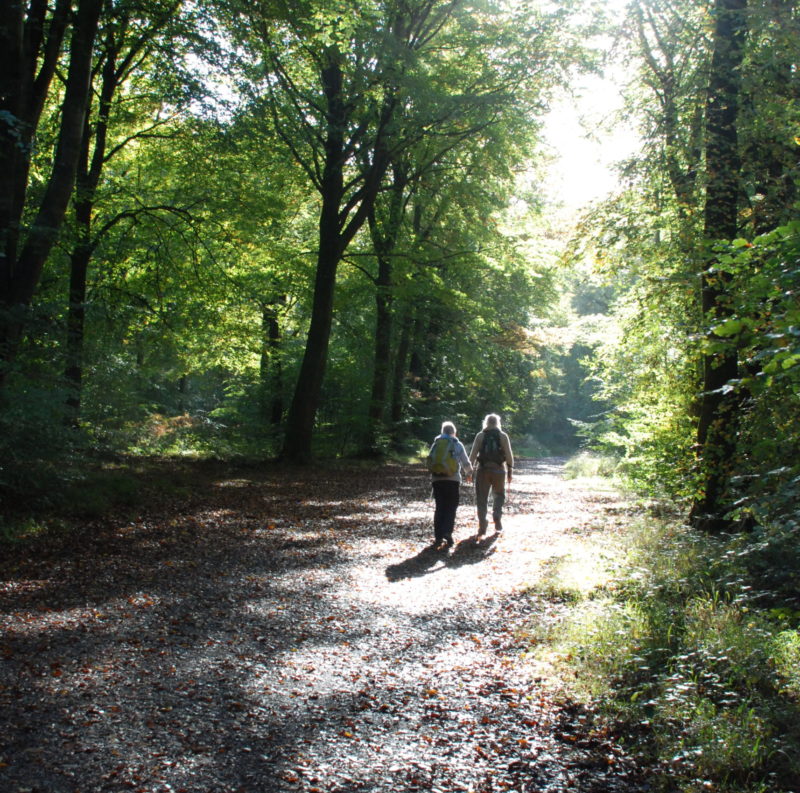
[(719, 405)]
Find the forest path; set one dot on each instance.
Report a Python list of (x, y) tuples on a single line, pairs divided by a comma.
[(290, 631)]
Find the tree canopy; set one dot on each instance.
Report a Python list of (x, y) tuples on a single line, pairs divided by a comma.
[(316, 228), (285, 231)]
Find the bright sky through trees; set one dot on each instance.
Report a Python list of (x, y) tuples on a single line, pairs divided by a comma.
[(587, 137), (586, 141)]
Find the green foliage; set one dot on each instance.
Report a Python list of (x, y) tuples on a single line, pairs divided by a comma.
[(34, 442), (647, 244), (643, 353), (204, 235), (763, 326), (686, 646)]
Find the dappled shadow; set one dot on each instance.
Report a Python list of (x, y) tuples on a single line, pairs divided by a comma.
[(255, 639)]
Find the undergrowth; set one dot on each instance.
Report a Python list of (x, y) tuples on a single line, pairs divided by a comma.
[(590, 464), (691, 643), (90, 488)]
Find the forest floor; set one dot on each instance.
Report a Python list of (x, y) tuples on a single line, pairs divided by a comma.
[(281, 631)]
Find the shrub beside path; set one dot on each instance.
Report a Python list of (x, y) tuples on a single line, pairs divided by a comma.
[(283, 631)]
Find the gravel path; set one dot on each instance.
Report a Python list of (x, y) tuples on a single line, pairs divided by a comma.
[(283, 633)]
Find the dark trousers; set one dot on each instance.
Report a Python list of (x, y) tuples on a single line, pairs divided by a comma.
[(445, 494)]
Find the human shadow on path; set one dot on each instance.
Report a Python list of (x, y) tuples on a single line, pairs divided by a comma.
[(428, 560), (471, 551), (415, 566)]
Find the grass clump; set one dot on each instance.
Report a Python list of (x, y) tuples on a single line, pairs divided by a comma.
[(590, 464), (698, 659)]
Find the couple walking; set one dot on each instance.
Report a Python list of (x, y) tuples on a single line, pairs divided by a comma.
[(490, 460)]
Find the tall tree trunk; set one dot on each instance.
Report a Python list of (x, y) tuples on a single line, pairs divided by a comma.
[(20, 273), (409, 364), (419, 358), (183, 391), (76, 322), (338, 225), (382, 351), (303, 410), (28, 41), (89, 169), (271, 367), (92, 160), (384, 241), (400, 374), (718, 417)]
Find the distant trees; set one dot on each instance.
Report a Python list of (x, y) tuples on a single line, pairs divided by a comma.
[(283, 220), (368, 102)]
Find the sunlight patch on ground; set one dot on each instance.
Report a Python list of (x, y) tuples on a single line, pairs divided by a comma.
[(315, 648), (431, 582), (35, 623), (23, 586)]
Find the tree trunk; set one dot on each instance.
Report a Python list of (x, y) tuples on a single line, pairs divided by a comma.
[(384, 241), (23, 49), (92, 160), (89, 170), (718, 415), (271, 367), (399, 376), (382, 349), (303, 410), (76, 321), (419, 357), (183, 391), (20, 274), (337, 227)]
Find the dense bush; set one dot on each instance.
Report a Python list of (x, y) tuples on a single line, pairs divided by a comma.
[(692, 644)]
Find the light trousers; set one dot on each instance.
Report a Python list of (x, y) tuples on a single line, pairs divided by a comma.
[(489, 480)]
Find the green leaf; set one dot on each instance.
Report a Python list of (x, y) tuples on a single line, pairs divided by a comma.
[(791, 361), (731, 327)]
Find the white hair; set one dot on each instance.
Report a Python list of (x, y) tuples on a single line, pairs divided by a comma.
[(491, 420), (448, 428)]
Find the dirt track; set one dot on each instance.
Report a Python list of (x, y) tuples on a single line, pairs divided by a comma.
[(292, 632)]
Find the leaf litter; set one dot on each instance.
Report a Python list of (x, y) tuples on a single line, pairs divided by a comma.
[(291, 630)]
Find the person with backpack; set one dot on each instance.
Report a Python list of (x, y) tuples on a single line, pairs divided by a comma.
[(446, 458), (491, 451)]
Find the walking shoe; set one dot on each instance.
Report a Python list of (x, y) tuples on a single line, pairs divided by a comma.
[(498, 526)]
